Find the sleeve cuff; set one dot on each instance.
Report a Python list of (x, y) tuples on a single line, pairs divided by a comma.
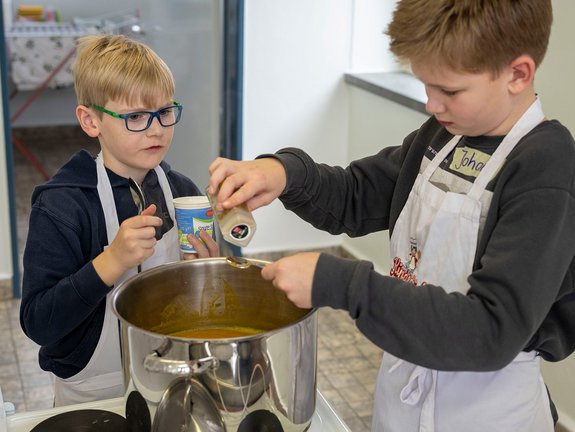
[(89, 286)]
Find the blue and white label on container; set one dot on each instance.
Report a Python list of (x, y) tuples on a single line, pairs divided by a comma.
[(192, 221)]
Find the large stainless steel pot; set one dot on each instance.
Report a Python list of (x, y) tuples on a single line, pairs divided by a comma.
[(273, 371)]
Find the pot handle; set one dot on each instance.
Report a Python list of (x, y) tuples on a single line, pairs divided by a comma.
[(154, 363)]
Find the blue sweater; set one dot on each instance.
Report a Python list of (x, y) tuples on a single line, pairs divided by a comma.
[(63, 298)]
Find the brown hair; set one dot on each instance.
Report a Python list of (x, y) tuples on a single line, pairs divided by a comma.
[(115, 67), (470, 35)]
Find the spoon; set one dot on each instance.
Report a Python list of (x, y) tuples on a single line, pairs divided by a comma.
[(139, 200), (242, 263)]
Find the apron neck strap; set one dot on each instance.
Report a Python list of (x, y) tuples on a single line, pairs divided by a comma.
[(530, 118), (440, 156), (168, 196), (107, 199)]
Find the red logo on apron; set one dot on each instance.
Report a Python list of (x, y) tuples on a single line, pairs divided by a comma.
[(399, 271)]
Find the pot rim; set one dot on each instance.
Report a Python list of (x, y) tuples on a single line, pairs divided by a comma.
[(116, 291)]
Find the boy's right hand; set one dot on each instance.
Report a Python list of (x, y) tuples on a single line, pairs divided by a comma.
[(256, 183), (133, 244)]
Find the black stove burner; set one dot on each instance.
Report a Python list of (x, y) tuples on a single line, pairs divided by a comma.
[(84, 421), (260, 421), (137, 413)]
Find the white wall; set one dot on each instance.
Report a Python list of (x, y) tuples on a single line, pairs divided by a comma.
[(370, 53), (555, 78), (296, 53), (375, 123)]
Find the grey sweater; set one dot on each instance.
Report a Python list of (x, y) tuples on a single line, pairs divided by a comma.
[(521, 295)]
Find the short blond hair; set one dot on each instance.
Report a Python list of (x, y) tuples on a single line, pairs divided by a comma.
[(470, 35), (115, 67)]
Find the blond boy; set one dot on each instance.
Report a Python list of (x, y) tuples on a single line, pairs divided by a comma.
[(103, 218)]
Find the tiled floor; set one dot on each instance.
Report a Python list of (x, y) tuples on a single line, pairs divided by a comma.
[(347, 361)]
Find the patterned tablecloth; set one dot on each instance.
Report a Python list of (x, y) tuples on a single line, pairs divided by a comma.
[(36, 49)]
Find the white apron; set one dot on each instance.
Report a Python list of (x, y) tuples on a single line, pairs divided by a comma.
[(436, 228), (102, 378)]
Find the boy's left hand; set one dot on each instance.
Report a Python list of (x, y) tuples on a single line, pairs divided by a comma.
[(205, 248), (294, 276)]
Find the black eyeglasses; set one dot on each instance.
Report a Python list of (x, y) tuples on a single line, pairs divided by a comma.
[(141, 120)]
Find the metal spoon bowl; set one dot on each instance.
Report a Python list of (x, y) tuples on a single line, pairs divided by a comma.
[(243, 263)]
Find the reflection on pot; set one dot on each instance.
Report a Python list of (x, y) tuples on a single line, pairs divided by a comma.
[(242, 376), (186, 406)]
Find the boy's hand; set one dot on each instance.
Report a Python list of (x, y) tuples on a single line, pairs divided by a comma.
[(256, 183), (133, 244), (136, 238), (206, 247), (294, 276)]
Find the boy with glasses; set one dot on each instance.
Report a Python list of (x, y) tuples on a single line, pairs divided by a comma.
[(102, 219)]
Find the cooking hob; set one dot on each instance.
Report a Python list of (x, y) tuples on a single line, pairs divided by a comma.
[(324, 419)]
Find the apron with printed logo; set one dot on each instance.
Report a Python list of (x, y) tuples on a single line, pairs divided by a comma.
[(102, 378), (435, 228)]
